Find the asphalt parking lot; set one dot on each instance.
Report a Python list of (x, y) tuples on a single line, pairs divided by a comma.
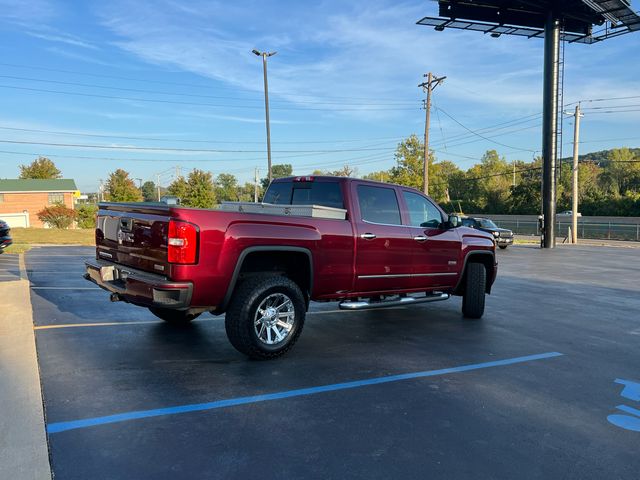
[(527, 392), (9, 268)]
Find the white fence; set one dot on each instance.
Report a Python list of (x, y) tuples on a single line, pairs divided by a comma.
[(599, 228)]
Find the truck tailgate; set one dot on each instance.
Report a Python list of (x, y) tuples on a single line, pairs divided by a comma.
[(134, 235)]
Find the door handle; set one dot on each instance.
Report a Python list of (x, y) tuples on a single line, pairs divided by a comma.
[(420, 238), (368, 236)]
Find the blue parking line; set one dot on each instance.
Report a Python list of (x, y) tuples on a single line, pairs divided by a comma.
[(123, 417)]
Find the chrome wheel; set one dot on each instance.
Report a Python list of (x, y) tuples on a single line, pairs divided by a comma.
[(274, 319)]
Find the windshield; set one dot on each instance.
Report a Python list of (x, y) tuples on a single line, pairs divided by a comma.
[(485, 223)]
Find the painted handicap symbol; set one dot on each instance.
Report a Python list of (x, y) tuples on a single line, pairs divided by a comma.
[(631, 422)]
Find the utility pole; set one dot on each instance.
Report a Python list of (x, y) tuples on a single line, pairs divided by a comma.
[(264, 56), (514, 173), (428, 86), (158, 185), (255, 188), (574, 190)]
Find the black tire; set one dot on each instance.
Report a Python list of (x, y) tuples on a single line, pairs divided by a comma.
[(242, 316), (174, 317), (474, 291), (502, 247)]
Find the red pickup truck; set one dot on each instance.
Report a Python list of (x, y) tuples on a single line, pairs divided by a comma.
[(363, 244)]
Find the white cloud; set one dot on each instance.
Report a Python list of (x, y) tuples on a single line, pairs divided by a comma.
[(235, 118), (52, 36), (365, 50), (20, 11)]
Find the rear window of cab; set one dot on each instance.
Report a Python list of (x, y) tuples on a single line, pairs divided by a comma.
[(326, 194)]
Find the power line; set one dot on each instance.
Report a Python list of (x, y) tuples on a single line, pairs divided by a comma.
[(612, 106), (168, 149), (607, 99), (529, 169), (156, 139), (605, 140), (190, 85), (484, 177), (500, 134), (118, 159), (158, 92), (176, 102), (499, 126), (480, 135), (190, 159), (614, 111)]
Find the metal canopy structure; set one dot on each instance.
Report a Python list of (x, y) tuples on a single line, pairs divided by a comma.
[(527, 18), (579, 21)]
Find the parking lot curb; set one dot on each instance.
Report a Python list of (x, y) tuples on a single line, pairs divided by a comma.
[(23, 442)]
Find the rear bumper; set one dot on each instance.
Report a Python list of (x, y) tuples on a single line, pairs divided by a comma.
[(137, 287)]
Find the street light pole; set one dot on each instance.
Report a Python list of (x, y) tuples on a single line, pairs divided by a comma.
[(264, 56)]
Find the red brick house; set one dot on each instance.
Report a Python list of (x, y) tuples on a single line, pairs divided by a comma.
[(21, 200)]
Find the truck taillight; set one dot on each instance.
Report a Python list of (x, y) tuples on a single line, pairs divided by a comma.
[(182, 242)]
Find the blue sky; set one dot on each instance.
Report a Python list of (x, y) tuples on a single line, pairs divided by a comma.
[(151, 85)]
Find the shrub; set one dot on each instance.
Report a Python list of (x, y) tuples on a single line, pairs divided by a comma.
[(87, 216), (57, 216)]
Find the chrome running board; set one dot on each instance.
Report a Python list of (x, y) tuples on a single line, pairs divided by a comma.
[(367, 305)]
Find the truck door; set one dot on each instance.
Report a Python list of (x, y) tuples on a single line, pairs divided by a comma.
[(436, 250), (383, 244)]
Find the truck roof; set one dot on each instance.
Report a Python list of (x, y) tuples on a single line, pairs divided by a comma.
[(336, 179)]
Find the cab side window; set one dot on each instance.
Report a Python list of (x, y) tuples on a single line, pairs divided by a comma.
[(422, 212), (379, 205), (327, 194)]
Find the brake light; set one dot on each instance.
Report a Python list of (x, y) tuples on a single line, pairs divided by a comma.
[(182, 242), (303, 179)]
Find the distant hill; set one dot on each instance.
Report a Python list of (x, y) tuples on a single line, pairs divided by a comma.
[(598, 157)]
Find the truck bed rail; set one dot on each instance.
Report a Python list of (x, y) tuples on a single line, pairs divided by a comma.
[(314, 211)]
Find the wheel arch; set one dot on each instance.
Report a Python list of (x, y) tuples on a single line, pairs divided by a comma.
[(487, 258), (278, 257)]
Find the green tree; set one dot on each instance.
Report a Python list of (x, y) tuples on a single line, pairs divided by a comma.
[(178, 188), (589, 182), (489, 183), (87, 215), (277, 171), (409, 159), (621, 171), (121, 188), (42, 167), (345, 171), (200, 190), (380, 176), (525, 196), (246, 192), (442, 177), (226, 188), (149, 191)]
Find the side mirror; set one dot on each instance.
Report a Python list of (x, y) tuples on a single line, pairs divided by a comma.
[(454, 221)]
